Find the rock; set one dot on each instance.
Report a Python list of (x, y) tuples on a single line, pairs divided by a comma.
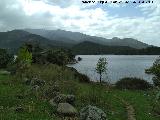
[(38, 82), (60, 98), (66, 109), (19, 109), (5, 72), (92, 113), (70, 99), (35, 88), (27, 81), (52, 103), (20, 96), (52, 91)]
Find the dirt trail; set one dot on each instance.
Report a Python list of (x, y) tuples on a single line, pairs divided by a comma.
[(129, 108)]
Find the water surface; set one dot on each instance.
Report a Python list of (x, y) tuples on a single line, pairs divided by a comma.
[(119, 66)]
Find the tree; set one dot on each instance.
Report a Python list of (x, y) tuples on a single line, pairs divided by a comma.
[(5, 58), (101, 67), (24, 60), (155, 70)]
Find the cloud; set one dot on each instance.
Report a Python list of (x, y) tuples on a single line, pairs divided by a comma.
[(75, 16)]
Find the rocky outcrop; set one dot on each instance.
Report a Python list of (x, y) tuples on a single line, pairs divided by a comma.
[(92, 113), (66, 109)]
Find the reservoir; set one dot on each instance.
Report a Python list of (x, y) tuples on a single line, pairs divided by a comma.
[(119, 66)]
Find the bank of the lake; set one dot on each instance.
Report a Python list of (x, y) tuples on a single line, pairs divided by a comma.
[(15, 94)]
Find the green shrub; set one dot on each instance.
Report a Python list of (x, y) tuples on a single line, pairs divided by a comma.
[(80, 76), (156, 108), (5, 58), (155, 70), (132, 83)]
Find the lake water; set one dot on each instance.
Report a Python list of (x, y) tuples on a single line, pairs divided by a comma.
[(119, 66)]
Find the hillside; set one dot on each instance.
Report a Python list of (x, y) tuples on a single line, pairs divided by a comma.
[(90, 48), (12, 40), (94, 48), (76, 37)]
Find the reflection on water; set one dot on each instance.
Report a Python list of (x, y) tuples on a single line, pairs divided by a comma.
[(119, 66)]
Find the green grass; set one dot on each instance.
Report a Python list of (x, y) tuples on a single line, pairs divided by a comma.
[(41, 110), (142, 101), (37, 108)]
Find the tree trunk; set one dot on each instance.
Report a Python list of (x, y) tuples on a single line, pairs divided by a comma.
[(100, 78)]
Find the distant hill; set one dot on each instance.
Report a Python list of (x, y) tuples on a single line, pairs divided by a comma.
[(90, 48), (12, 40), (76, 37)]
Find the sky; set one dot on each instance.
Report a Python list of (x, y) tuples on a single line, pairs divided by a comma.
[(140, 21)]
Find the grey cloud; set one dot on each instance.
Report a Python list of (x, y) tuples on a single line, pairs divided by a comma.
[(61, 3)]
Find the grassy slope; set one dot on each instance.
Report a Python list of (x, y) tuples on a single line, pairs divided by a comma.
[(85, 94), (9, 100)]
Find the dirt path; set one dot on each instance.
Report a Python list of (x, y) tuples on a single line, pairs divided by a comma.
[(129, 108)]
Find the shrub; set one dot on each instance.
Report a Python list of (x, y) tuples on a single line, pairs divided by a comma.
[(156, 109), (5, 58), (80, 76), (132, 83), (83, 78), (155, 70)]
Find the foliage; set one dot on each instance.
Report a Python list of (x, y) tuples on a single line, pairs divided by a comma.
[(155, 70), (55, 56), (24, 56), (23, 61), (101, 67), (5, 58), (133, 84), (91, 48)]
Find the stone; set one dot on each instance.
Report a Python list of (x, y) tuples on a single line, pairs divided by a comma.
[(27, 81), (66, 109), (35, 88), (61, 98), (38, 82), (52, 103), (70, 99), (19, 109), (92, 113), (52, 91), (20, 96), (5, 73)]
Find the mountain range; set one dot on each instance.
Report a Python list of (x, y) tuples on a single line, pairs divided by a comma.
[(79, 43), (76, 37)]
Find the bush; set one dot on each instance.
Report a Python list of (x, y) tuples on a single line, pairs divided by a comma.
[(155, 70), (80, 76), (83, 78), (132, 83), (5, 58), (156, 109)]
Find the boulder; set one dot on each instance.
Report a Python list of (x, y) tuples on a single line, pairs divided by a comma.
[(39, 82), (66, 109), (70, 99), (92, 113), (5, 72), (35, 87), (19, 109), (52, 103), (27, 81), (60, 98), (52, 91)]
